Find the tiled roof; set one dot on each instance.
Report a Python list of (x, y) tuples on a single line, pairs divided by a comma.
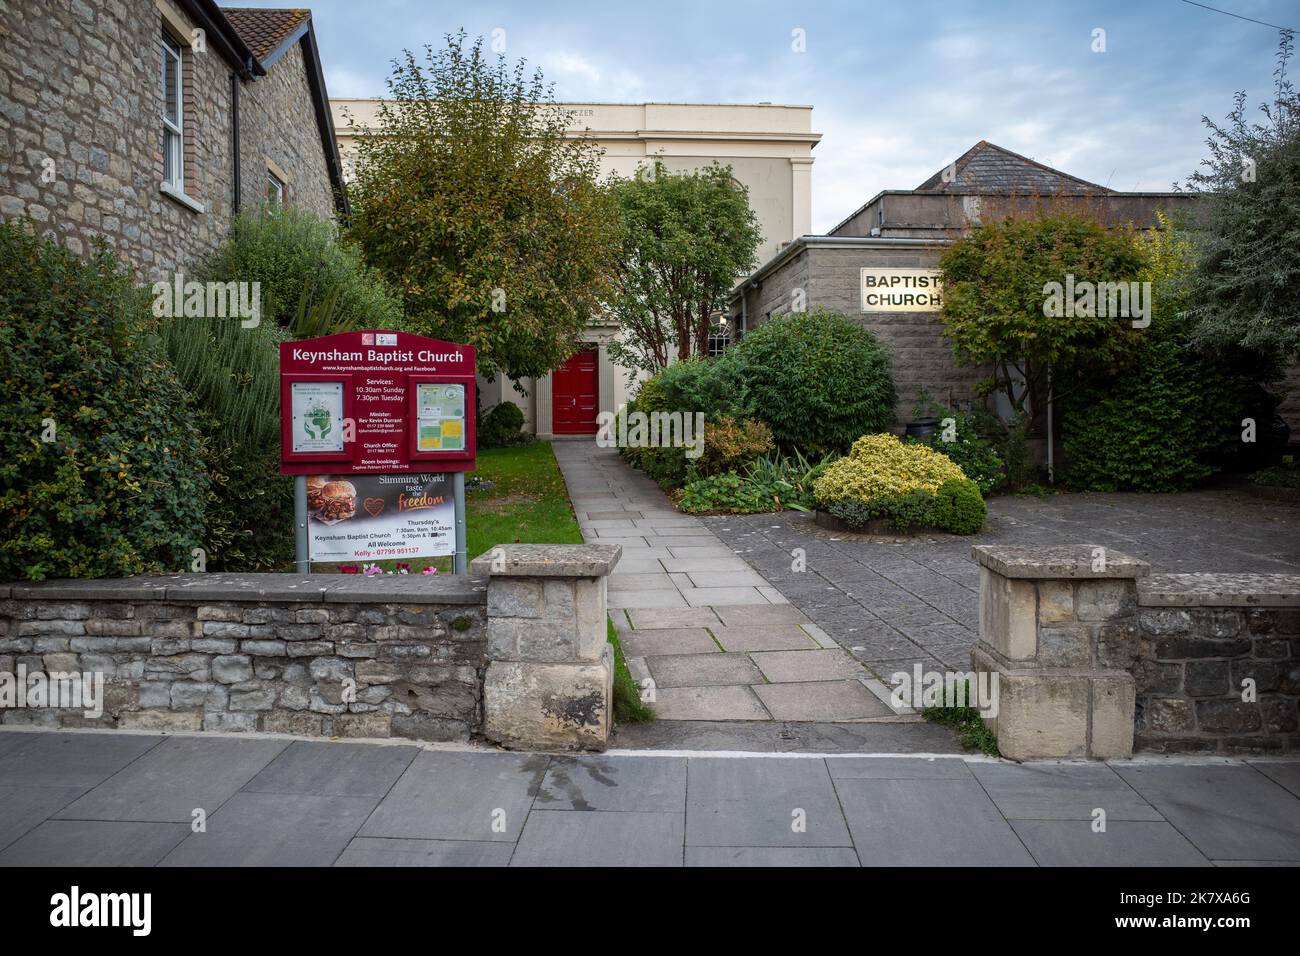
[(264, 30), (986, 168)]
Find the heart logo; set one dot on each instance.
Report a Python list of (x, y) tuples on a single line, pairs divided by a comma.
[(373, 506)]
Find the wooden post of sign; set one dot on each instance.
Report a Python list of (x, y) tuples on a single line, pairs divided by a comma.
[(301, 545), (460, 563)]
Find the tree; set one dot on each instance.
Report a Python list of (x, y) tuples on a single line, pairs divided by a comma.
[(472, 199), (686, 239), (1171, 416), (997, 303), (1246, 288)]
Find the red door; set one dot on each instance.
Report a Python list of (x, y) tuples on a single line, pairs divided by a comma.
[(573, 395)]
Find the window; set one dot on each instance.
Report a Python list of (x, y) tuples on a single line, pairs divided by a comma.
[(173, 116), (275, 190), (719, 337)]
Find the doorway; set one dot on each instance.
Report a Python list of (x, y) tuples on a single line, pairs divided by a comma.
[(574, 394)]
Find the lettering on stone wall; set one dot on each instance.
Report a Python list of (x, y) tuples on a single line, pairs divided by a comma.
[(900, 290)]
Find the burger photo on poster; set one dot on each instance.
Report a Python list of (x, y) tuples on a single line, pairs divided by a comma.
[(338, 500)]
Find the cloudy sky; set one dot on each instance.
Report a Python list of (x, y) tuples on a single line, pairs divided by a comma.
[(899, 89)]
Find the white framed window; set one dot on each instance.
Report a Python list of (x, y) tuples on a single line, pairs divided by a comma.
[(276, 191), (719, 336), (173, 114)]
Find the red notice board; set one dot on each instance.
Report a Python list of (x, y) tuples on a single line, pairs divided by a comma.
[(376, 403)]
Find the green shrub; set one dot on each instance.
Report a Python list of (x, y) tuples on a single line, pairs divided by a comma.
[(788, 480), (904, 512), (729, 445), (970, 451), (881, 466), (725, 492), (295, 254), (500, 426), (120, 487), (817, 378), (768, 483), (1009, 440), (1285, 475), (1168, 417), (909, 511), (1163, 427), (232, 374), (958, 507), (856, 514), (698, 384)]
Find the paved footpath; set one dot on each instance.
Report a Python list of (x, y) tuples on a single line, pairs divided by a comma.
[(718, 640), (897, 601), (96, 798)]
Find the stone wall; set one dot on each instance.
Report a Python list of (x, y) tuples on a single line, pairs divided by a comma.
[(1095, 657), (1057, 625), (79, 85), (517, 654), (1203, 638), (277, 122), (831, 279), (313, 655)]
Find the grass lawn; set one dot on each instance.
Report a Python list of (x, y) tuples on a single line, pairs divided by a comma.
[(527, 503)]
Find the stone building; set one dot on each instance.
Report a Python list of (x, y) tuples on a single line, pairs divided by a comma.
[(898, 235), (151, 123), (769, 149)]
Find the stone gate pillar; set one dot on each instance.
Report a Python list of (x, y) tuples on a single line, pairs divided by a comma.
[(549, 680), (1058, 625)]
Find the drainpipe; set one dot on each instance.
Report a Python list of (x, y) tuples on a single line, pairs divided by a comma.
[(1051, 470), (234, 122)]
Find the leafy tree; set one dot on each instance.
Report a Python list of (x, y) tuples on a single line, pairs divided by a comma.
[(1246, 288), (819, 379), (471, 198), (1171, 416), (101, 472), (294, 254), (995, 287), (686, 237)]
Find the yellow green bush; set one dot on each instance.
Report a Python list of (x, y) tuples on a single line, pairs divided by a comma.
[(881, 466)]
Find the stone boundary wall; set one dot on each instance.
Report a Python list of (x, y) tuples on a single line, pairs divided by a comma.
[(1095, 656), (1202, 637), (517, 653), (317, 655)]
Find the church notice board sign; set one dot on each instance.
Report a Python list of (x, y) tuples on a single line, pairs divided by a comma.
[(376, 403), (376, 427)]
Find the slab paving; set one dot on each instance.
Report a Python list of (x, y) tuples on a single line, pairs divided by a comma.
[(725, 702), (1122, 843), (176, 776), (488, 808), (829, 700), (893, 601), (94, 843), (717, 612), (691, 670)]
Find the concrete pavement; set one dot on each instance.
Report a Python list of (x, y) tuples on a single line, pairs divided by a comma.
[(95, 798)]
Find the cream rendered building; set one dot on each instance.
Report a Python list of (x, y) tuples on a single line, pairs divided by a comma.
[(769, 148)]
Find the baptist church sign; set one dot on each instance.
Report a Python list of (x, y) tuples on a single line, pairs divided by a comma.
[(900, 290)]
